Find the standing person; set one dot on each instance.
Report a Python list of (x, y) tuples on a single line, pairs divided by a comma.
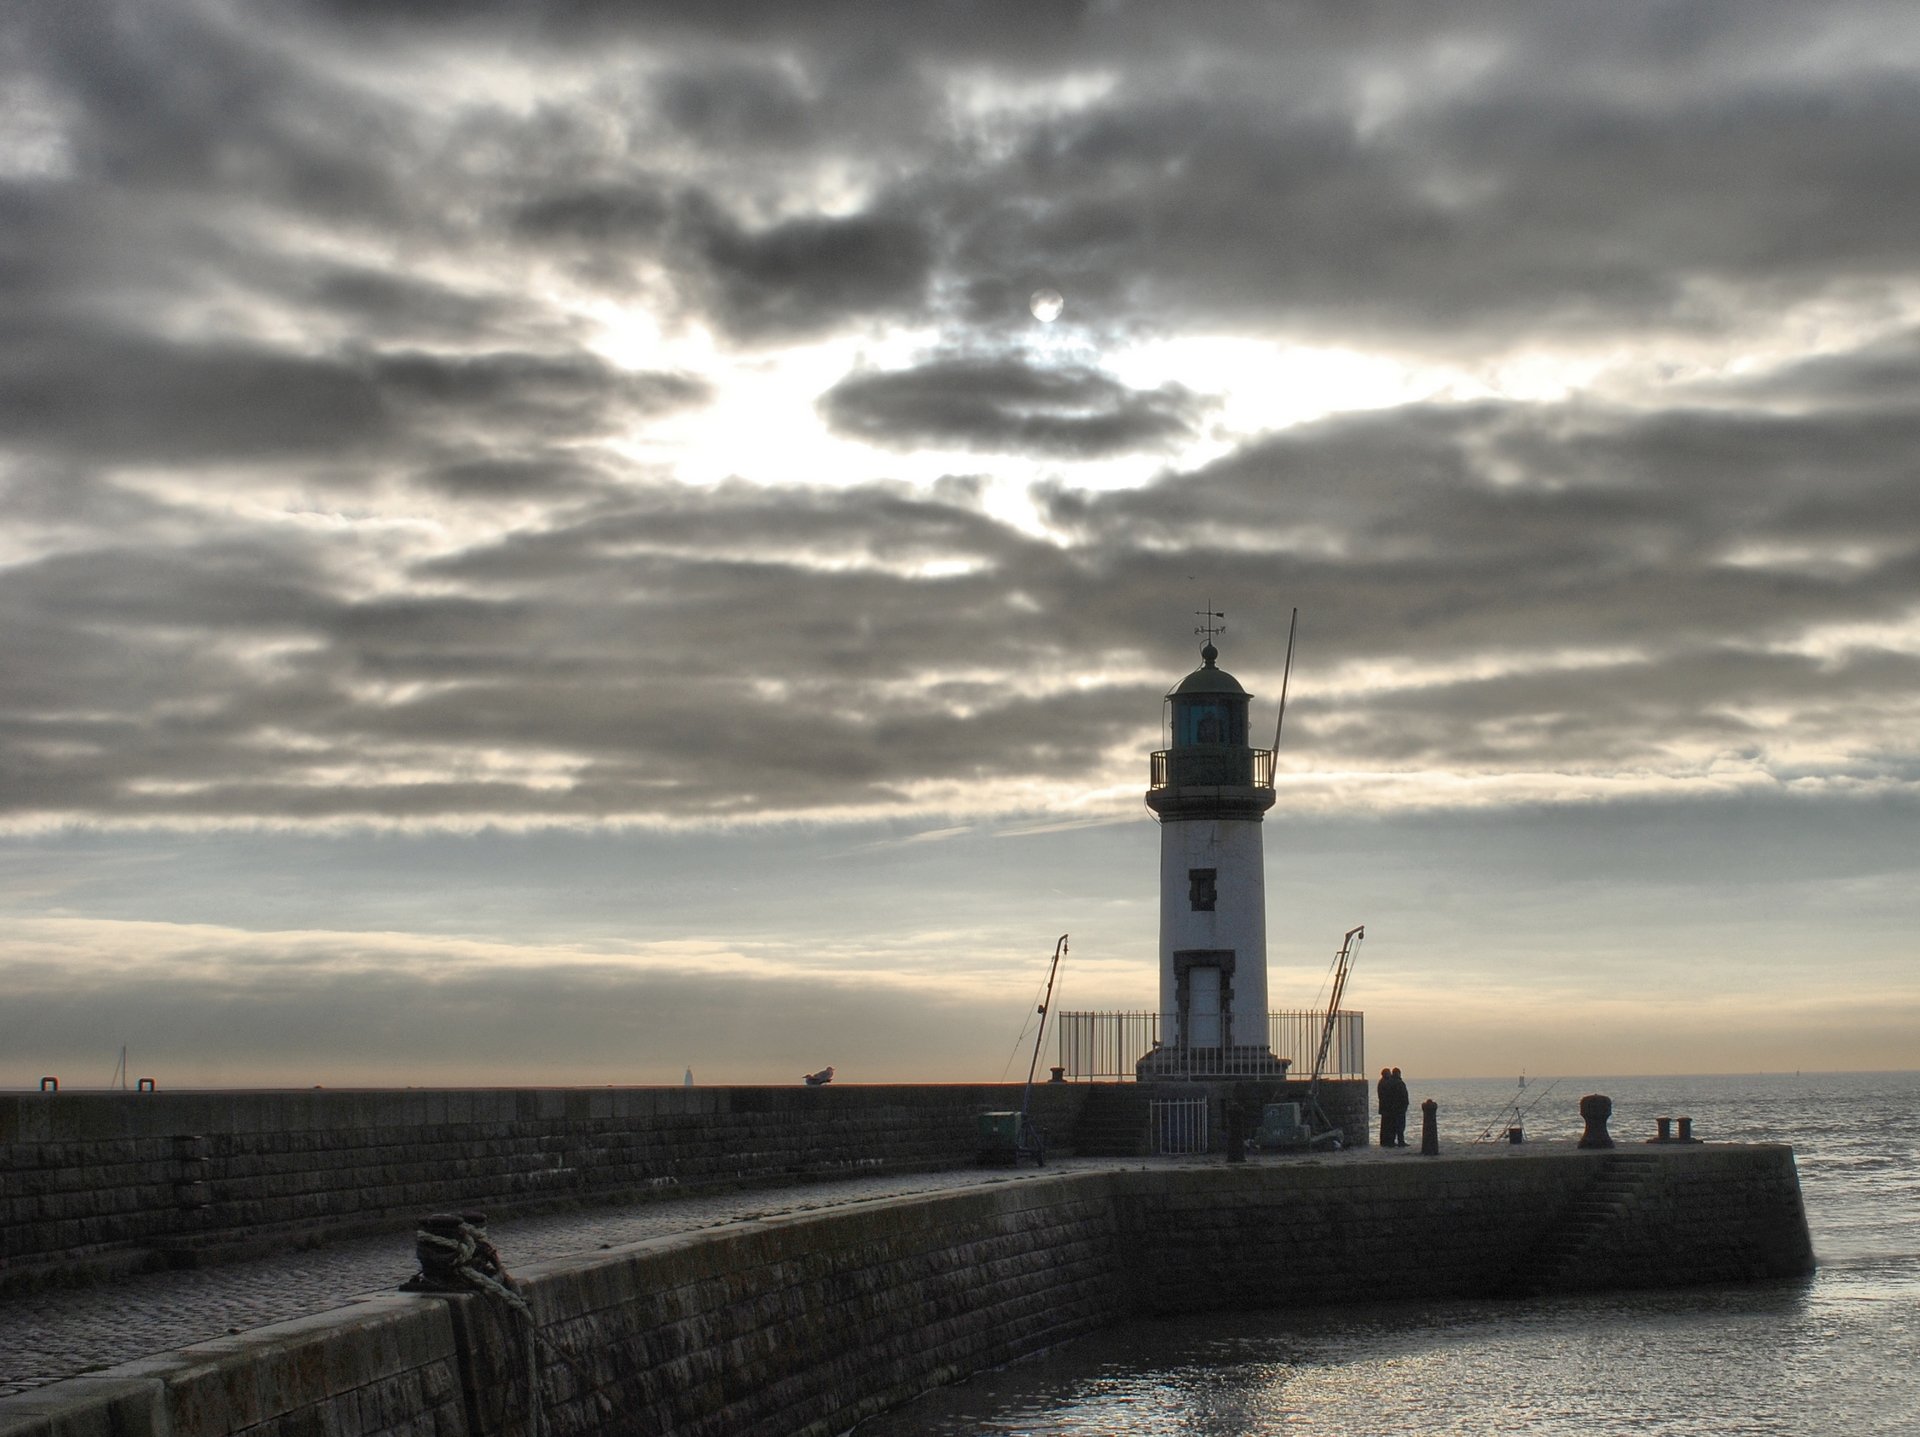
[(1383, 1092), (1401, 1100)]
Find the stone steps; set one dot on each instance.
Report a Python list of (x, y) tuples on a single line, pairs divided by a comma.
[(1615, 1190)]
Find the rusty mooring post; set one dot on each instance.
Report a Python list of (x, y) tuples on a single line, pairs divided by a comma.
[(1429, 1129), (1595, 1109)]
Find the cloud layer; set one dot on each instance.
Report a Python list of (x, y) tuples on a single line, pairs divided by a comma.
[(594, 419), (330, 500)]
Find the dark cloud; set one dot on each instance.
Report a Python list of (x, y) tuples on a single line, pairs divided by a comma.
[(1501, 215), (752, 651), (1452, 183), (516, 476), (810, 274), (757, 282), (292, 258), (122, 397), (740, 104), (600, 215), (1880, 376), (189, 100), (1007, 30), (125, 397), (546, 396), (1625, 716), (1008, 404), (404, 306)]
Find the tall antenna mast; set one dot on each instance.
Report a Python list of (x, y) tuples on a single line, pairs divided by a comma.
[(1284, 678)]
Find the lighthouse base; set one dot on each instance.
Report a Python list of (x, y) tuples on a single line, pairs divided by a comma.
[(1177, 1063)]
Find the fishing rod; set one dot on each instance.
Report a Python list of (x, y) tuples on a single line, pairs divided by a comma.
[(1519, 1113)]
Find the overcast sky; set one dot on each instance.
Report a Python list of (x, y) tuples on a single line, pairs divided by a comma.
[(546, 542)]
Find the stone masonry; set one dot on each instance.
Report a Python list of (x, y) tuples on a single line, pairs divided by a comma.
[(805, 1323)]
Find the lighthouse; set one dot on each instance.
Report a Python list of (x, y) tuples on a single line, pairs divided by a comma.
[(1210, 791)]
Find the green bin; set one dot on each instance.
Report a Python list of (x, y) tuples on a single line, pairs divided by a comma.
[(1008, 1137)]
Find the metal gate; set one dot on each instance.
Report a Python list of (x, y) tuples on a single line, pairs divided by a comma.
[(1179, 1126)]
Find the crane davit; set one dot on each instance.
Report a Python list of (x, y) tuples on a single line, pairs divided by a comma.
[(1323, 1126)]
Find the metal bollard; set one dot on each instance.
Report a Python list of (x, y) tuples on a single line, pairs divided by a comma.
[(1429, 1129), (1595, 1109), (1686, 1131), (1665, 1125)]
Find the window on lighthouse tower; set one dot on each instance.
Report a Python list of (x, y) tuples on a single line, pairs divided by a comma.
[(1201, 892)]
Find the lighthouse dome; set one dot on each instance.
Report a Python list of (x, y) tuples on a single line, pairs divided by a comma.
[(1209, 678), (1207, 769)]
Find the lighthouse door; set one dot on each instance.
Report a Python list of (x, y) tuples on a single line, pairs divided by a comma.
[(1203, 996), (1203, 1007)]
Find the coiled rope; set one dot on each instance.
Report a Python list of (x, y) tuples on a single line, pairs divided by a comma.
[(455, 1256)]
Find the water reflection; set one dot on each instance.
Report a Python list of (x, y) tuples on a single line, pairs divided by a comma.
[(1642, 1362)]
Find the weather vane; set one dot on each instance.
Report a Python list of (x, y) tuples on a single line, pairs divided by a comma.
[(1209, 628)]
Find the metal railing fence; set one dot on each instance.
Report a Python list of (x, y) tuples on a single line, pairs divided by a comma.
[(1179, 1126), (1101, 1047), (1210, 766)]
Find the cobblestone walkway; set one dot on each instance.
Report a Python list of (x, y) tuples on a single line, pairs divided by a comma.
[(63, 1332)]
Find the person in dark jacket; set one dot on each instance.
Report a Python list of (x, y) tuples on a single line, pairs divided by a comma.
[(1383, 1094), (1398, 1102)]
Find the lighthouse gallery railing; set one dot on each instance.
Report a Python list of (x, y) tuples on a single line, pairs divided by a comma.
[(1096, 1047), (1211, 766)]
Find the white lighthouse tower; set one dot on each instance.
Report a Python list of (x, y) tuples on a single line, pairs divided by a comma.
[(1210, 790)]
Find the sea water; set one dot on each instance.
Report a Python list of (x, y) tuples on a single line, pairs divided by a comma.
[(1837, 1353)]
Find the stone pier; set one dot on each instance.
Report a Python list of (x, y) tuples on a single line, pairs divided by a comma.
[(806, 1322)]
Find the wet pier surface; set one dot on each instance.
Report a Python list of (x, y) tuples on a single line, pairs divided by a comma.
[(63, 1332)]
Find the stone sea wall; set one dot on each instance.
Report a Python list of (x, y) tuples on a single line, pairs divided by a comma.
[(106, 1181), (804, 1324), (386, 1367), (116, 1182), (1427, 1228)]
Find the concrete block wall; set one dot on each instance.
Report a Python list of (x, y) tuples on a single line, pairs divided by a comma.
[(800, 1326), (387, 1367), (84, 1198), (1418, 1228), (1425, 1228), (95, 1181), (805, 1325), (1703, 1214)]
